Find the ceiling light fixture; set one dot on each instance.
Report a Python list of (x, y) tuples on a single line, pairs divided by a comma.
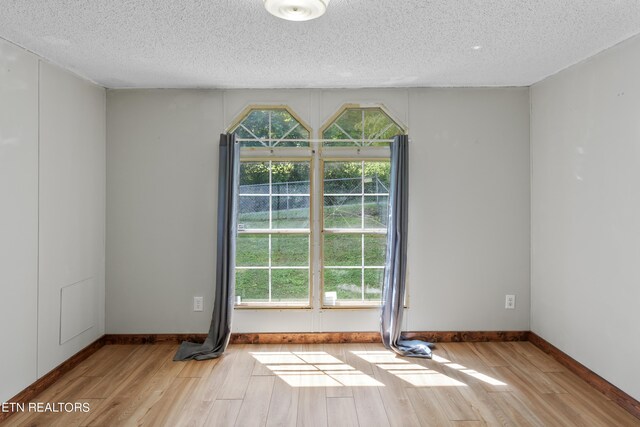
[(296, 10)]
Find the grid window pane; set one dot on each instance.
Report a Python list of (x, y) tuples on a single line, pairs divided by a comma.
[(289, 250), (274, 195), (355, 199), (252, 285), (342, 212), (373, 283), (254, 178), (290, 177), (376, 177), (343, 177), (375, 247), (346, 250), (252, 250), (347, 283), (342, 249), (253, 212), (290, 212), (272, 283), (290, 284), (376, 211)]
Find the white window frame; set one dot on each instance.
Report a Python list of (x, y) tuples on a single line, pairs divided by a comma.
[(316, 154), (362, 231), (280, 231)]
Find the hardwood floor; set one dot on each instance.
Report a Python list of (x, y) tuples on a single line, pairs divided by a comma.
[(503, 383)]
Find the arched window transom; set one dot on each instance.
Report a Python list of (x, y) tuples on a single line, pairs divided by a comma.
[(271, 127), (361, 127)]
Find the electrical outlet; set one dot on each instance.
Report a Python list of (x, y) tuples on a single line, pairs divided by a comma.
[(510, 302), (198, 304)]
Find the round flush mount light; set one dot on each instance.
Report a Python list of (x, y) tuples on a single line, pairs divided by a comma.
[(296, 10)]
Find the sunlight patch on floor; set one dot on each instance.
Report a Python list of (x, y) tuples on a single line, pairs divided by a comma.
[(482, 377), (314, 369), (320, 369), (414, 374)]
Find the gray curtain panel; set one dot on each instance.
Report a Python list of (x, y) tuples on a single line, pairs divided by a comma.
[(395, 270), (220, 329)]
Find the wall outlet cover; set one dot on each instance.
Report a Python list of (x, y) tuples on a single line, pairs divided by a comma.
[(198, 304), (510, 302)]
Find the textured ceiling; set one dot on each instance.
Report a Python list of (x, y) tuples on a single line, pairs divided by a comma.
[(357, 43)]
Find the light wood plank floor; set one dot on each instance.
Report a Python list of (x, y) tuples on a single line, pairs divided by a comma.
[(511, 383)]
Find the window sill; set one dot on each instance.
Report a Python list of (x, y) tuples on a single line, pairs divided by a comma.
[(345, 306), (262, 306), (352, 305)]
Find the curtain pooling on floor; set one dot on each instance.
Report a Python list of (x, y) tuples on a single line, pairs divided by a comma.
[(220, 329), (393, 288)]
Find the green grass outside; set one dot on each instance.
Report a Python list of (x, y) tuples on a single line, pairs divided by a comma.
[(289, 250), (336, 216)]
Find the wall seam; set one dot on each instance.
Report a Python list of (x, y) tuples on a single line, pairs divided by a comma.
[(38, 117), (104, 236), (530, 212)]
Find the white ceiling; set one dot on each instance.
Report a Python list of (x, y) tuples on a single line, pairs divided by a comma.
[(357, 43)]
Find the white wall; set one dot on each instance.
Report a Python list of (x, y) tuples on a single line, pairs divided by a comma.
[(18, 218), (161, 208), (585, 139), (72, 215), (469, 207), (52, 188)]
